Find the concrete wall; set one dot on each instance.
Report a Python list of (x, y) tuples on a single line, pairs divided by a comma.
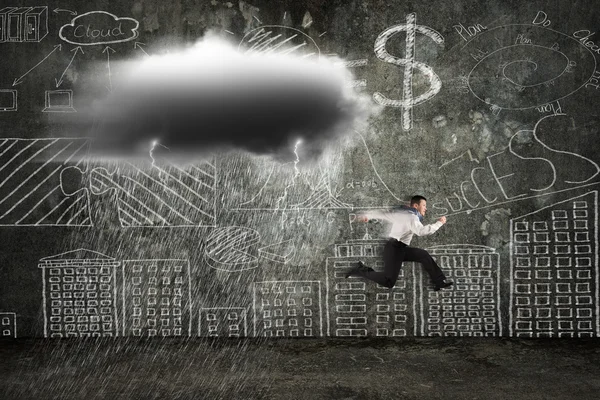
[(488, 109)]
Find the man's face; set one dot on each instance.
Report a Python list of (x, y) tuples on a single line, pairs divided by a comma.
[(421, 207)]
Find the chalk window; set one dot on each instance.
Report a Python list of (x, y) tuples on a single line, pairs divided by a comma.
[(580, 224), (583, 249), (584, 274), (522, 250), (563, 288), (542, 249), (523, 288), (582, 287), (584, 325), (564, 313), (563, 300), (565, 274), (563, 262), (543, 274), (584, 313), (523, 262), (543, 325), (542, 300), (583, 261), (560, 225), (523, 325), (559, 214), (521, 226), (522, 237), (580, 214), (565, 325), (582, 236)]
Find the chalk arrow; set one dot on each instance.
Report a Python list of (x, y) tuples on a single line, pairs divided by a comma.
[(137, 45), (76, 50), (107, 50), (20, 79), (57, 10)]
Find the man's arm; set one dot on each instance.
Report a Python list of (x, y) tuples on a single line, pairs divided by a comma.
[(423, 230), (365, 216)]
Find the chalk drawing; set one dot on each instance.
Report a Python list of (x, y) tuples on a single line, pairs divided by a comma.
[(232, 249), (281, 252), (550, 162), (164, 195), (288, 309), (8, 100), (223, 322), (8, 325), (409, 63), (472, 306), (107, 50), (278, 39), (352, 309), (19, 80), (157, 298), (32, 190), (526, 66), (59, 101), (360, 83), (79, 294), (554, 270), (23, 24), (319, 196), (322, 198), (59, 81), (374, 168), (99, 27)]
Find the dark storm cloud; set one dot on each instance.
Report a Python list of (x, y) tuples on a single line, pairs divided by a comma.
[(212, 97)]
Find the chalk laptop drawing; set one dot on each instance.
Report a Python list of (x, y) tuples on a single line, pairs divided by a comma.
[(8, 100), (59, 101)]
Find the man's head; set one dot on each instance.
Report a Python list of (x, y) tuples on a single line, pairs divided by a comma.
[(420, 203)]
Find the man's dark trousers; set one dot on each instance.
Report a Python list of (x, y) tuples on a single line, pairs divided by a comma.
[(394, 254)]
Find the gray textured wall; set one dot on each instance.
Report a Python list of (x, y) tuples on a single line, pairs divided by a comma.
[(493, 118)]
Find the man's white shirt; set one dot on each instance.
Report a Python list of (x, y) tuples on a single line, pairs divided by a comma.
[(404, 224)]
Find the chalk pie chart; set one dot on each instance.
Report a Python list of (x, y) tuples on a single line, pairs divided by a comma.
[(232, 249), (518, 67)]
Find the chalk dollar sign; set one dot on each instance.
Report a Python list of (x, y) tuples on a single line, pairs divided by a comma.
[(409, 63)]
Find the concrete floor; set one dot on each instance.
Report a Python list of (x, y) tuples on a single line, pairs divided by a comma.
[(308, 369)]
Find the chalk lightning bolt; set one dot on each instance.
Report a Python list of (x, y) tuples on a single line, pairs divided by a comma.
[(154, 144), (293, 182)]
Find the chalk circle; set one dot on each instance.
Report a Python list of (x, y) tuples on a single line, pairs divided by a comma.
[(232, 249), (519, 76), (278, 39)]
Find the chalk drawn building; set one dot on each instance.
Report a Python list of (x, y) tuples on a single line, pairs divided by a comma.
[(79, 294), (554, 270), (8, 325), (472, 306), (288, 308), (157, 298), (222, 322), (355, 311)]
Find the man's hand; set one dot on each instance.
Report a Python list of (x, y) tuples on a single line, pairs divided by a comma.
[(362, 218), (442, 220)]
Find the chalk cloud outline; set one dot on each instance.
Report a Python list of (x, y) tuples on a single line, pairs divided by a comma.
[(72, 24)]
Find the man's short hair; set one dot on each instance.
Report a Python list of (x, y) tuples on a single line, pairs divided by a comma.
[(416, 199)]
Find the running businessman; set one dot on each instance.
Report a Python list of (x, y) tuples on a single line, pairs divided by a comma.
[(405, 222)]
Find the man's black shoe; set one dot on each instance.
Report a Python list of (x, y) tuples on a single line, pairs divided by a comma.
[(355, 271), (442, 285)]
